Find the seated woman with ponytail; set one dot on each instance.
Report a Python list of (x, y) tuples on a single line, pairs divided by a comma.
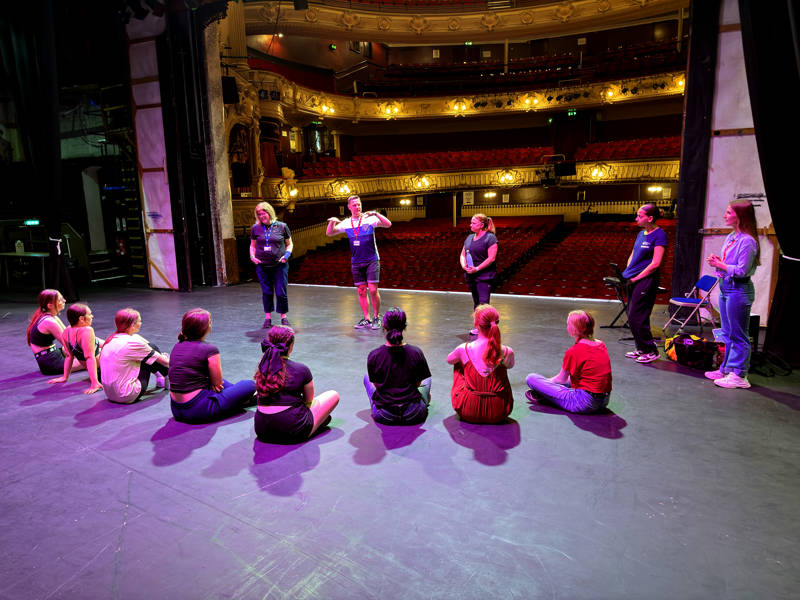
[(481, 391), (584, 383), (199, 393), (44, 330), (80, 344), (398, 380), (288, 412), (127, 360)]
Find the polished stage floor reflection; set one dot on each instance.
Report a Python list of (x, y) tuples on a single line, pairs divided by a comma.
[(680, 490)]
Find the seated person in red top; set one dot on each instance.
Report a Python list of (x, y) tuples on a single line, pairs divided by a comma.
[(481, 391), (584, 383), (288, 412), (398, 380)]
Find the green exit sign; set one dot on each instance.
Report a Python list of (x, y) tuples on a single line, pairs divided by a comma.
[(30, 222)]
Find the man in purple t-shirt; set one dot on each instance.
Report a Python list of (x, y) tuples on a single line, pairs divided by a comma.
[(366, 265)]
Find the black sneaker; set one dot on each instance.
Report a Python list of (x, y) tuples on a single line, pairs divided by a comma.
[(363, 324), (267, 323), (376, 322), (285, 322)]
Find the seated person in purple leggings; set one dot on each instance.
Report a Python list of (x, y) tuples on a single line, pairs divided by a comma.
[(584, 383), (398, 379), (287, 411), (198, 391)]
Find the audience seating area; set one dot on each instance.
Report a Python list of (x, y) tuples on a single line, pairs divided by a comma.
[(423, 254), (382, 164), (576, 267), (529, 72), (666, 147)]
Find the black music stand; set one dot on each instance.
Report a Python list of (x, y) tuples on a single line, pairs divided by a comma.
[(618, 284)]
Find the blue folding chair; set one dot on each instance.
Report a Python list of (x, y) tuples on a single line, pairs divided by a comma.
[(699, 297)]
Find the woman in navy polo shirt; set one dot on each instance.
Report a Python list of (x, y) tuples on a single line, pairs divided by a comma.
[(270, 248), (478, 259), (643, 275)]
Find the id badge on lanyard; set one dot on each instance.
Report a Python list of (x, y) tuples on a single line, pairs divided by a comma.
[(356, 230), (267, 235)]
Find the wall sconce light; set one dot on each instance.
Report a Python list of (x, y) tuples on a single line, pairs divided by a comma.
[(288, 189), (655, 189), (459, 107), (489, 194), (528, 102), (600, 171), (389, 110), (405, 202), (341, 187), (421, 182), (506, 177)]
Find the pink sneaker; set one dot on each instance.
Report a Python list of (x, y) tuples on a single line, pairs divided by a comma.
[(714, 374)]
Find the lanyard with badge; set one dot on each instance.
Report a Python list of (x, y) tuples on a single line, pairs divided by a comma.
[(728, 247), (356, 230), (267, 235)]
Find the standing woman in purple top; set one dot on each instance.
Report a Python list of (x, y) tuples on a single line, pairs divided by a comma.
[(270, 248), (741, 254), (199, 393), (479, 260), (643, 275)]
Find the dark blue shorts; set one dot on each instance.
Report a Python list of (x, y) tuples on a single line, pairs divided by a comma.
[(367, 273)]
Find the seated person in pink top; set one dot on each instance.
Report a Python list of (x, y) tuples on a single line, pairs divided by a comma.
[(584, 383)]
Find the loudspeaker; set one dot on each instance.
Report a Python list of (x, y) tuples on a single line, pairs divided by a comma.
[(230, 91), (300, 4), (565, 169)]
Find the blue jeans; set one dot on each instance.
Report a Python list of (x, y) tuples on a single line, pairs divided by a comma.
[(574, 400), (274, 280), (735, 300), (413, 413), (209, 406)]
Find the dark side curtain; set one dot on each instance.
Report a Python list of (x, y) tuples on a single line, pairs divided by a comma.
[(772, 60)]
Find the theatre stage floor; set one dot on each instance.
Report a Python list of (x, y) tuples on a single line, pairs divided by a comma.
[(682, 490)]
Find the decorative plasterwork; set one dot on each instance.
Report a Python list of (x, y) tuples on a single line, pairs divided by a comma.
[(402, 183), (298, 100), (557, 17)]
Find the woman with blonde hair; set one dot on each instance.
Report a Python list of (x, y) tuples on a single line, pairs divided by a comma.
[(583, 384), (481, 392), (127, 360), (80, 344), (270, 248), (44, 330), (741, 254), (198, 392), (478, 259), (287, 410)]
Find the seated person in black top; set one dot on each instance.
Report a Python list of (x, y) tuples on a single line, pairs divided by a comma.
[(398, 379), (44, 330), (287, 411)]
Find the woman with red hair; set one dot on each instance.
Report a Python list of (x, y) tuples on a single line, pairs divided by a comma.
[(44, 329), (481, 391)]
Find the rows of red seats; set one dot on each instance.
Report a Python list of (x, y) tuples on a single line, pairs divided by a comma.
[(576, 267), (426, 161), (662, 147)]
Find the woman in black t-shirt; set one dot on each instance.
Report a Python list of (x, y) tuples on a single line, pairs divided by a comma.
[(398, 380), (287, 411), (270, 248), (478, 259)]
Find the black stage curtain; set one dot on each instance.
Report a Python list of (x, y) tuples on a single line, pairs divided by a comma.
[(693, 181), (772, 60)]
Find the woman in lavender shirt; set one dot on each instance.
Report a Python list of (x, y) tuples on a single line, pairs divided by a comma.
[(740, 257)]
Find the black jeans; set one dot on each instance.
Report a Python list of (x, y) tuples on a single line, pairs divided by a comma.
[(641, 299)]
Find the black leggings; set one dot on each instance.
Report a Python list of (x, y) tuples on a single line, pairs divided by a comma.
[(145, 370), (641, 299)]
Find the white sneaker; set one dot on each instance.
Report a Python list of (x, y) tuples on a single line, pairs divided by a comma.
[(634, 354), (732, 380), (648, 358), (714, 374)]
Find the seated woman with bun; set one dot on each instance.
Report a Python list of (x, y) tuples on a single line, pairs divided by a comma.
[(44, 330), (584, 383), (127, 360), (287, 411), (481, 391), (199, 393), (80, 344), (398, 380)]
